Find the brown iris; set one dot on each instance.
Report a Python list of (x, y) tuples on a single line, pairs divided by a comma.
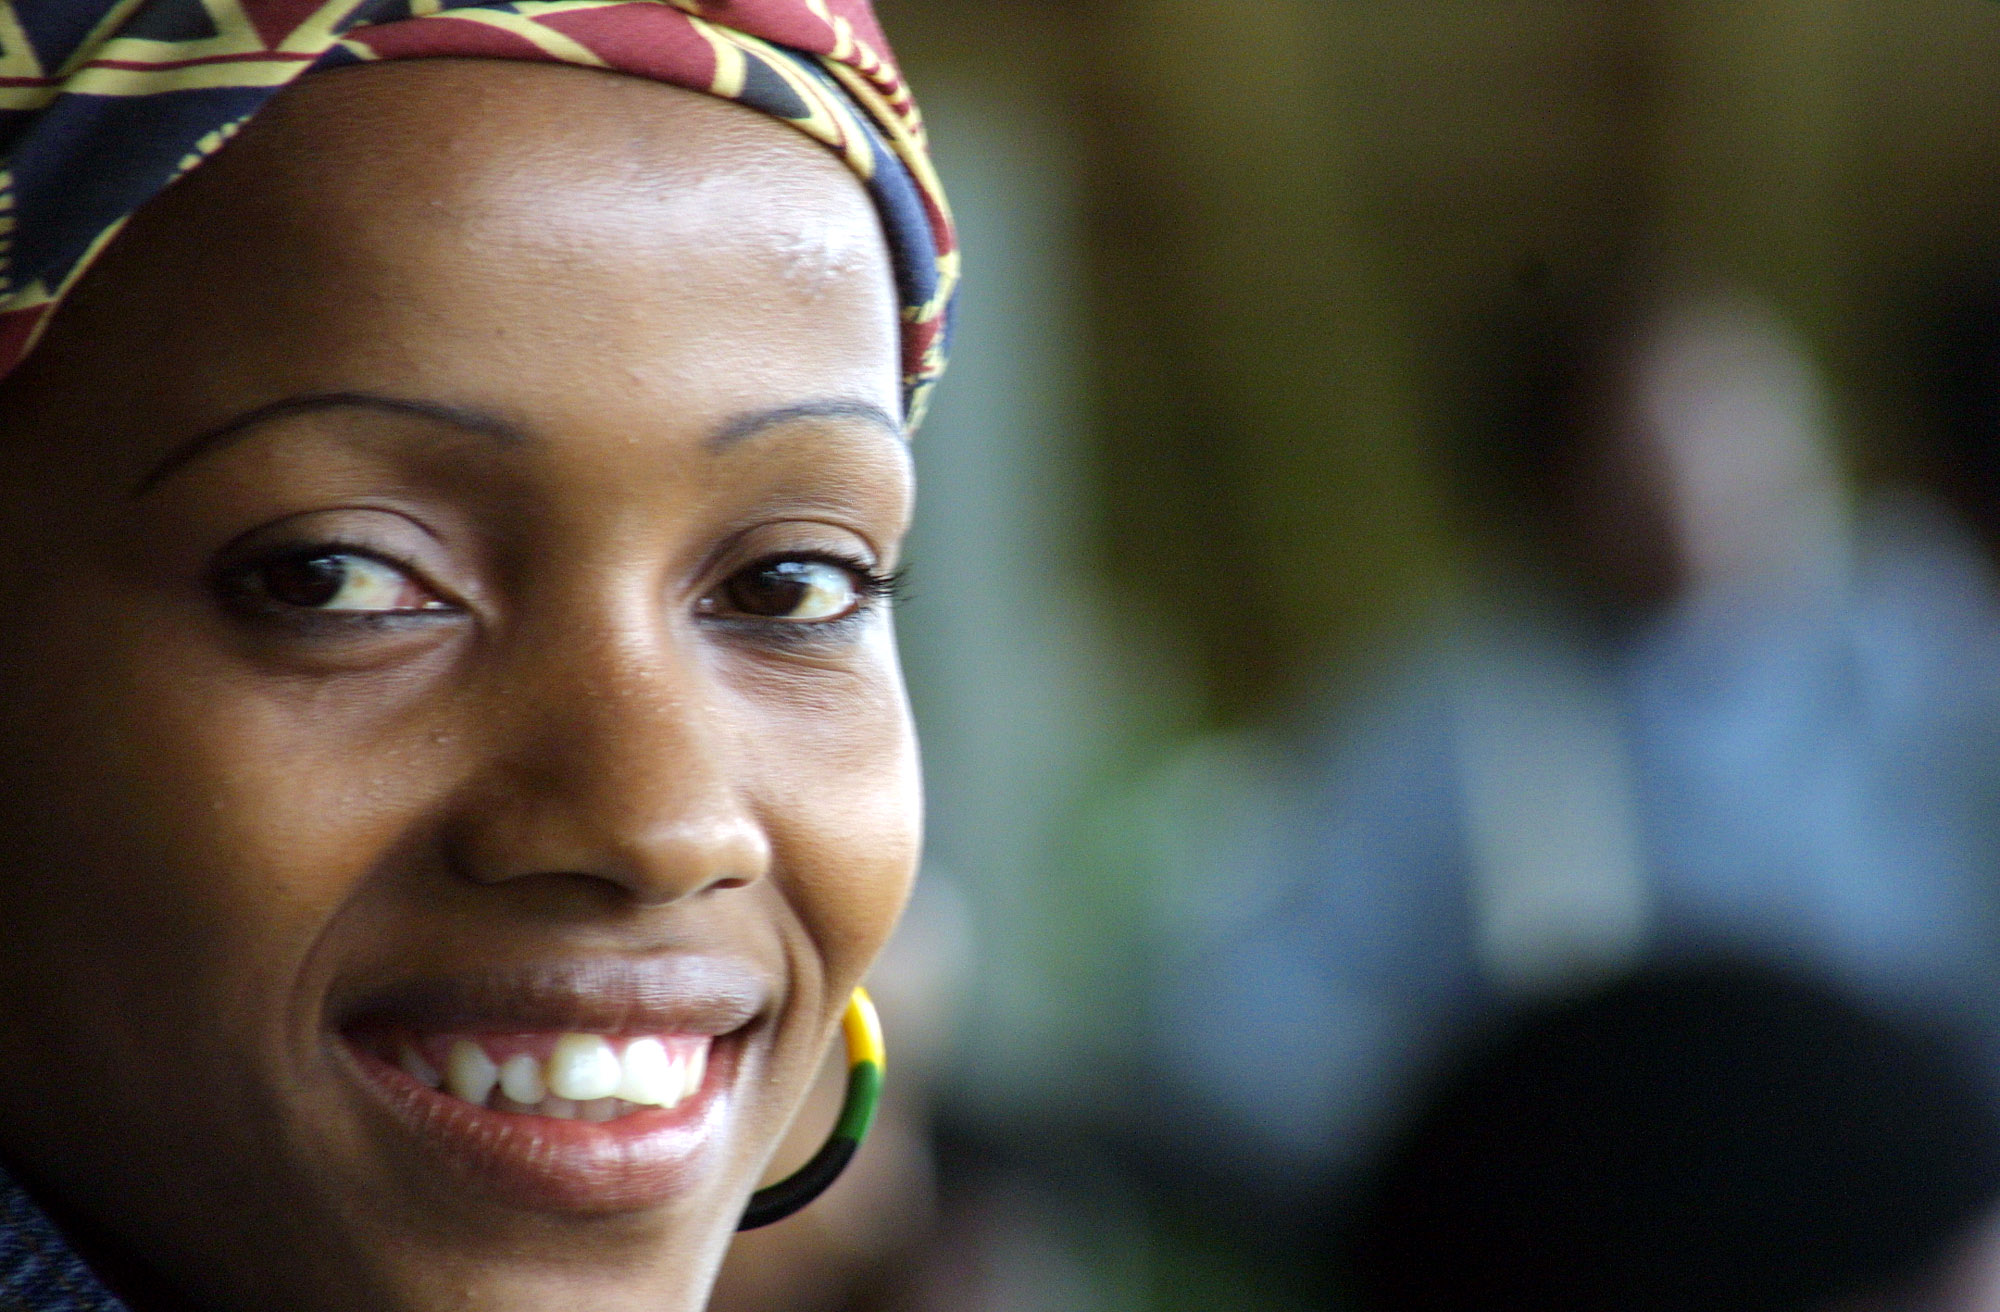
[(793, 590)]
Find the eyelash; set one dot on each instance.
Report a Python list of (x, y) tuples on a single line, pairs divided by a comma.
[(872, 585), (236, 583), (873, 589)]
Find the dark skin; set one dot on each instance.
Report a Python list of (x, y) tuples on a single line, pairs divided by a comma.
[(558, 650)]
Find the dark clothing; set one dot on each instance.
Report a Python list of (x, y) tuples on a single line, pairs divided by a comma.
[(39, 1272)]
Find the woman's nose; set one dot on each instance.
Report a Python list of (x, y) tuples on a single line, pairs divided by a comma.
[(619, 767)]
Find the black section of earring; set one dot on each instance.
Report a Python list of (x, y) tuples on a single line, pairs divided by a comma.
[(778, 1201)]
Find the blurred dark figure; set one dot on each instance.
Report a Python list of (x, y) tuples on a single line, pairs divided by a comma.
[(1962, 458), (1695, 697), (1717, 1138), (1638, 446)]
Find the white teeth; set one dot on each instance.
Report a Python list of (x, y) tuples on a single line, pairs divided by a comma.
[(521, 1079), (649, 1077), (676, 1080), (697, 1070), (583, 1067), (417, 1068), (584, 1078), (469, 1073)]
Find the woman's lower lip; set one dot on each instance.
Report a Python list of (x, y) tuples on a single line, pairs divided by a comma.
[(542, 1163)]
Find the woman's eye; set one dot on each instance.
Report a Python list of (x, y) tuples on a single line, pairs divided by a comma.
[(797, 591), (339, 581)]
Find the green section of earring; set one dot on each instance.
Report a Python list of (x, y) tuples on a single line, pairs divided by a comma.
[(863, 1032)]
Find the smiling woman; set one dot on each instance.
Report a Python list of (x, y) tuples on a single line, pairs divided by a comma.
[(453, 763)]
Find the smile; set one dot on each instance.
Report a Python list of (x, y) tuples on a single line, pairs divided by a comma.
[(584, 1088), (587, 1077)]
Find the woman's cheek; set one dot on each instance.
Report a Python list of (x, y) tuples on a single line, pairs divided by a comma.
[(152, 935), (208, 812), (838, 774)]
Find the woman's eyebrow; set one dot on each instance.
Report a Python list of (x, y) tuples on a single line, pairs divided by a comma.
[(471, 420), (464, 418), (744, 427)]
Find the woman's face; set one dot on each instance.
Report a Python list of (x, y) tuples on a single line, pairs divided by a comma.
[(440, 548)]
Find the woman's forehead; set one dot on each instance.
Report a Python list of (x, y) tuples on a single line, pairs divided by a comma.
[(442, 150), (706, 262)]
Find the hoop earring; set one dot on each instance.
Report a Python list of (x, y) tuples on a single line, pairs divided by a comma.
[(862, 1029)]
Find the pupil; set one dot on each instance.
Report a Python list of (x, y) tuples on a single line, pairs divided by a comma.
[(305, 581), (774, 589)]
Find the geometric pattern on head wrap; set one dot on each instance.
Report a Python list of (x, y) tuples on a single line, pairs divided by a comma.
[(104, 103)]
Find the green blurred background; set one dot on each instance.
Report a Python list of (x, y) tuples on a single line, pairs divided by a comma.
[(1230, 269)]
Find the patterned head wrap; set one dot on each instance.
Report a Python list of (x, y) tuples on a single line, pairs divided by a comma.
[(103, 103)]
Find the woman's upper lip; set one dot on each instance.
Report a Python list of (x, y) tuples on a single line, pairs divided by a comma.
[(678, 994)]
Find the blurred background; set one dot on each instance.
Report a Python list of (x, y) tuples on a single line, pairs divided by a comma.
[(1457, 641)]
